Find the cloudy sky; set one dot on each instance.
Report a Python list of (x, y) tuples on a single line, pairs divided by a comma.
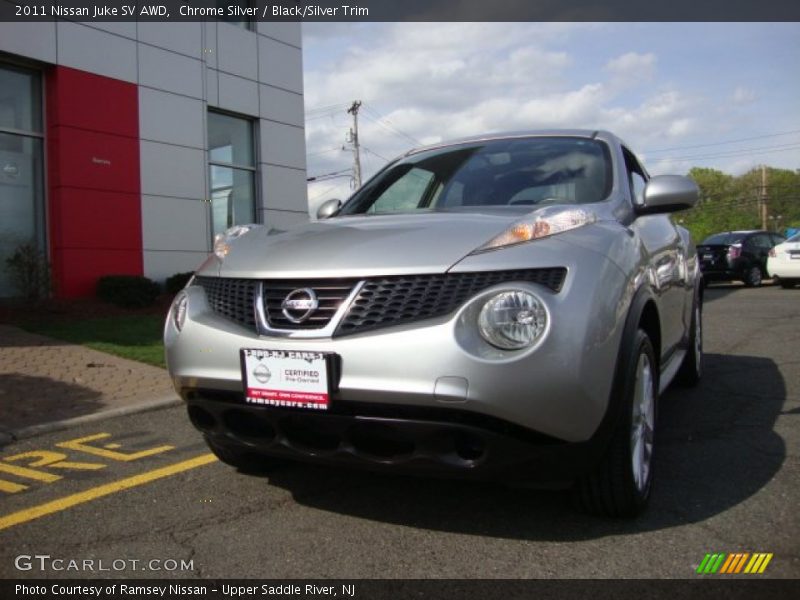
[(725, 96)]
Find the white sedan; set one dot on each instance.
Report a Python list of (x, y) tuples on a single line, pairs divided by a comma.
[(784, 262)]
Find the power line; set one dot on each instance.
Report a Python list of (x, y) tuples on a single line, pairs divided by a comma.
[(327, 107), (388, 125), (337, 149), (747, 139), (375, 153), (327, 175), (728, 154), (323, 192)]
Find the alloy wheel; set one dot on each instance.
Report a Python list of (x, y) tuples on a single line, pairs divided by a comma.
[(642, 423)]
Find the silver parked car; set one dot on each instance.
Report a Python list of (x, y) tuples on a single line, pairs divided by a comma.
[(508, 306)]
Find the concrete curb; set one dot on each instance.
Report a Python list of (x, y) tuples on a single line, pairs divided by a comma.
[(7, 437)]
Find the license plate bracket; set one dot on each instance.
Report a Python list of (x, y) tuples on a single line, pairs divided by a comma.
[(294, 379)]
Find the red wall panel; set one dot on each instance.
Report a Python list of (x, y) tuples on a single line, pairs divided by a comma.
[(94, 199), (86, 266), (101, 220), (93, 160), (90, 101)]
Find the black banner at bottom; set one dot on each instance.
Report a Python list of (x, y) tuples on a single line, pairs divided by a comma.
[(733, 588)]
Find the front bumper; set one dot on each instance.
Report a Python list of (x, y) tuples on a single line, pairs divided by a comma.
[(442, 442), (560, 388)]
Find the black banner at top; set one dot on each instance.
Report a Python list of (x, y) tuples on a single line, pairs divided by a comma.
[(400, 10)]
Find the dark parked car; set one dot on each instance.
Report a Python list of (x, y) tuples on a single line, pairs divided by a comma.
[(741, 255)]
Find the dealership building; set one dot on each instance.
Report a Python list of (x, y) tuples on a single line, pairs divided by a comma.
[(125, 147)]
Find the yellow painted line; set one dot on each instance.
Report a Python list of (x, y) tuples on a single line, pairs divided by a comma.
[(29, 473), (60, 504), (10, 487)]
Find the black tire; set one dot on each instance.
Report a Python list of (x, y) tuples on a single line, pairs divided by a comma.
[(611, 489), (691, 370), (788, 284), (753, 276), (243, 459)]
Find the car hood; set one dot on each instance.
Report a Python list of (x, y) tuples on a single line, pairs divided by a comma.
[(364, 246)]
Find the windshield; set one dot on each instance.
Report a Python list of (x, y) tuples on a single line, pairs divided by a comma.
[(794, 238), (533, 171), (724, 239)]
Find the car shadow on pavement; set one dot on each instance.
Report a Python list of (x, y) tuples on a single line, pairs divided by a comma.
[(717, 448), (717, 291), (30, 400)]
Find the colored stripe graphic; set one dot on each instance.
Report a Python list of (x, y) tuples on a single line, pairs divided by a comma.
[(741, 562), (730, 564), (767, 558), (702, 567), (727, 565), (711, 563)]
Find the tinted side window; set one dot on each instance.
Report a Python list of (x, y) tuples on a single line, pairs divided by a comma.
[(760, 241), (636, 177)]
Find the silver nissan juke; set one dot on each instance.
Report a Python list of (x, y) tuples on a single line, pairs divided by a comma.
[(507, 307)]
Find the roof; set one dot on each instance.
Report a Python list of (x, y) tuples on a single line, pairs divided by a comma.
[(585, 133)]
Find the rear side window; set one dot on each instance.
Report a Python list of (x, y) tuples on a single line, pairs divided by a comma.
[(760, 241), (777, 239)]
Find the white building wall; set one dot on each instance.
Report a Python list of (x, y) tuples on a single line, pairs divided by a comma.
[(182, 69)]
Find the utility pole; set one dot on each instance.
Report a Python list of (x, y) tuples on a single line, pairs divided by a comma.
[(353, 139), (763, 200)]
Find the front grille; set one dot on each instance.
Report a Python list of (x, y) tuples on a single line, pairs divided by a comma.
[(394, 300), (231, 298), (381, 302), (330, 294)]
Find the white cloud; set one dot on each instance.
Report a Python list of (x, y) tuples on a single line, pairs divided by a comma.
[(633, 64), (743, 95)]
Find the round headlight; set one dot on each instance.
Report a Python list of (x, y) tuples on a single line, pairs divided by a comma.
[(179, 310), (512, 320)]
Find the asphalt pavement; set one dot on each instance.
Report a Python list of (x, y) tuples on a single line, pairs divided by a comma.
[(128, 491)]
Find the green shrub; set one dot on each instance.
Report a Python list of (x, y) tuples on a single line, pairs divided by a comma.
[(130, 291), (29, 272), (177, 282)]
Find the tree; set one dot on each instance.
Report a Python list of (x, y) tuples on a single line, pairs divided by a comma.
[(729, 203)]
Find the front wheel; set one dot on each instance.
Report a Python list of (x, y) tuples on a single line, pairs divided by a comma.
[(692, 366), (620, 485), (752, 277), (788, 284)]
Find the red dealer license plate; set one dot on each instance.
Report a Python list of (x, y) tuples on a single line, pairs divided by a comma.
[(288, 378)]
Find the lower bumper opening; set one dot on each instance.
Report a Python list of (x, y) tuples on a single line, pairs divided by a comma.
[(405, 441)]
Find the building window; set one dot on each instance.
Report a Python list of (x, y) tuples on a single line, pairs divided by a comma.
[(231, 171), (237, 19), (22, 218)]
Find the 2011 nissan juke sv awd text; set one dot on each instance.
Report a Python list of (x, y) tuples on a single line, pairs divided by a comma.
[(506, 307)]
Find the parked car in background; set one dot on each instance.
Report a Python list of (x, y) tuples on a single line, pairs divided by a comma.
[(737, 255), (784, 262), (508, 307)]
